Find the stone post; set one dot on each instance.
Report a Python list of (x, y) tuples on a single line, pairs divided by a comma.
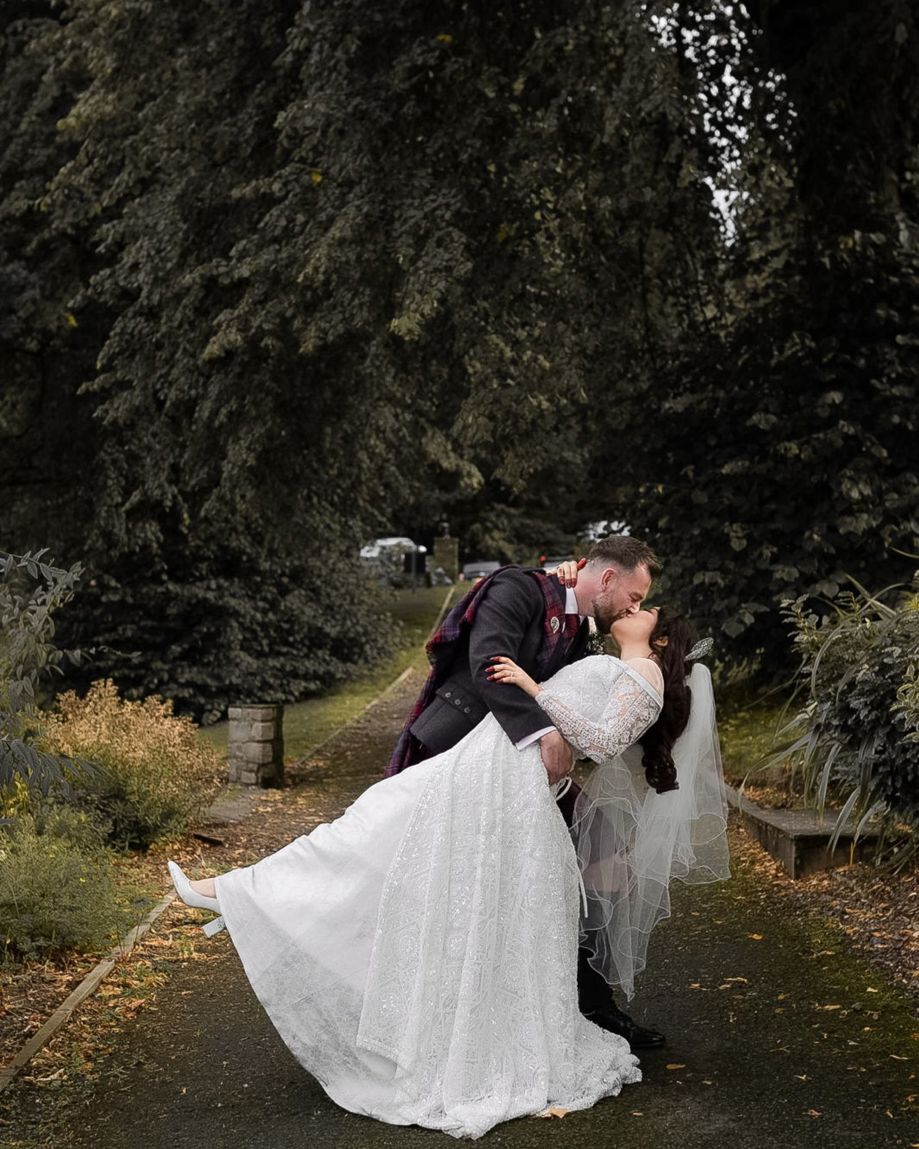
[(256, 746), (446, 556)]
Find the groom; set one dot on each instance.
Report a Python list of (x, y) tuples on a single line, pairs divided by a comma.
[(530, 617)]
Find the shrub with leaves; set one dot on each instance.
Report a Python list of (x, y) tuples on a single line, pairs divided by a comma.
[(52, 815), (55, 896), (155, 773), (857, 735), (31, 591)]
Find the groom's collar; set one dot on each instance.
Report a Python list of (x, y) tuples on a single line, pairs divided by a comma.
[(571, 603)]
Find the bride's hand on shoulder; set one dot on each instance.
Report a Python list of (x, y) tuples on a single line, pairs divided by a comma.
[(504, 669), (567, 572)]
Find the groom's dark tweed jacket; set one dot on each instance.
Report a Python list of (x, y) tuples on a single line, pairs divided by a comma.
[(509, 619)]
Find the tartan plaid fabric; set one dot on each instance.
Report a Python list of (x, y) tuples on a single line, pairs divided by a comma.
[(441, 646)]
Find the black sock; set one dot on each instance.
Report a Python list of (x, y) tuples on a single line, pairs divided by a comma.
[(593, 992)]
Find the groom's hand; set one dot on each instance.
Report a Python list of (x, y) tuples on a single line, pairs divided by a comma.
[(556, 756)]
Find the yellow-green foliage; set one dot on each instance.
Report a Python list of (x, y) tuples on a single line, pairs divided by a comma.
[(156, 774), (54, 896), (14, 799)]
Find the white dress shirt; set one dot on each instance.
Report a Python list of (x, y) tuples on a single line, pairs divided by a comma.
[(571, 607)]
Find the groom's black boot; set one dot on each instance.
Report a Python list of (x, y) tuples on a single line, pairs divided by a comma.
[(596, 1003)]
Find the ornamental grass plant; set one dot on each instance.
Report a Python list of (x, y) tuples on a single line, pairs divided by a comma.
[(856, 739), (154, 775)]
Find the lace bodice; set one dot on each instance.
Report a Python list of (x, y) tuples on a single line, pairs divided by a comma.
[(601, 705)]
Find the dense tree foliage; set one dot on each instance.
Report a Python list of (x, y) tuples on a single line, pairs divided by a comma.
[(785, 454), (31, 593), (275, 278)]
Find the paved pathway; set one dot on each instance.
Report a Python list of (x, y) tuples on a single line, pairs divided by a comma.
[(776, 1038)]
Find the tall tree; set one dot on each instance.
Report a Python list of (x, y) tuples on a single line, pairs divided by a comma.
[(46, 429), (338, 255), (783, 457), (290, 275)]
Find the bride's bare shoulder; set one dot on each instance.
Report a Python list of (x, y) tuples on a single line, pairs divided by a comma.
[(649, 670)]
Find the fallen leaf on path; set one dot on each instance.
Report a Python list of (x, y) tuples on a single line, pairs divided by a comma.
[(553, 1111), (676, 1065), (756, 937)]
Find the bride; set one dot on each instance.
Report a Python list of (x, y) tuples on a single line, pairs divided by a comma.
[(418, 954)]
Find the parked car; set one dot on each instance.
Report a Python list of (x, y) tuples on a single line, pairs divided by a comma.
[(396, 560), (479, 569), (390, 547)]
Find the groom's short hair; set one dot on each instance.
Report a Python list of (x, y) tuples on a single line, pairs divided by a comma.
[(626, 553)]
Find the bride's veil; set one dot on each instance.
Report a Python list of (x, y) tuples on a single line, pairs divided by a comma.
[(631, 842)]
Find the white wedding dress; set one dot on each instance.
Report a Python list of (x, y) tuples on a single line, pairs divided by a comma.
[(418, 955)]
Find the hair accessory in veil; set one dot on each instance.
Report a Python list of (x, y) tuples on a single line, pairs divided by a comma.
[(700, 650)]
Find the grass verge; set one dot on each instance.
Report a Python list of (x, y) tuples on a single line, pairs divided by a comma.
[(308, 723)]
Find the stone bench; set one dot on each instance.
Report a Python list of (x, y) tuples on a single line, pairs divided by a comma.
[(799, 839)]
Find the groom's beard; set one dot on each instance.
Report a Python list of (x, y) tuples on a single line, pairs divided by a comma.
[(605, 614)]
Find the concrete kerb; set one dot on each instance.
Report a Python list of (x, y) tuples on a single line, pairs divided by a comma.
[(99, 972), (394, 685), (87, 986)]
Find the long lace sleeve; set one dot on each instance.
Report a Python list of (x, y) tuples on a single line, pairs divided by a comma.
[(632, 707)]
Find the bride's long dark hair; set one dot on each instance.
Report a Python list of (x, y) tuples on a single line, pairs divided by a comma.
[(657, 741)]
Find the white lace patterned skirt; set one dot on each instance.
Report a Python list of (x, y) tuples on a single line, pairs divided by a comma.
[(418, 955)]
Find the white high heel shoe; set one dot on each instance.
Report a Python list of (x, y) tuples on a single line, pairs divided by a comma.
[(198, 901)]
